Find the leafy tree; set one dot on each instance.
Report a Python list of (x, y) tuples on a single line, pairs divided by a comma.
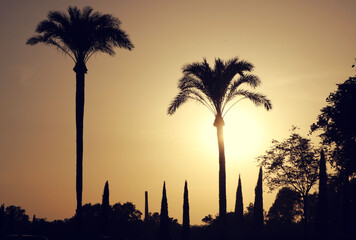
[(126, 212), (215, 88), (186, 221), (164, 219), (79, 35), (258, 206), (126, 220), (292, 163), (248, 218), (337, 123), (208, 219), (155, 218), (239, 207), (17, 219), (286, 208), (92, 218)]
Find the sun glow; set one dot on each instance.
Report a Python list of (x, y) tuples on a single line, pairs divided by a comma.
[(243, 135)]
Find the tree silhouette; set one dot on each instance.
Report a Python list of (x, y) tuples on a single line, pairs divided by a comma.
[(286, 207), (105, 208), (337, 123), (186, 221), (215, 88), (208, 219), (17, 219), (292, 163), (164, 218), (239, 207), (146, 206), (258, 206), (79, 35)]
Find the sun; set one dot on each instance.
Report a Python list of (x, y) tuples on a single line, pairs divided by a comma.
[(243, 134)]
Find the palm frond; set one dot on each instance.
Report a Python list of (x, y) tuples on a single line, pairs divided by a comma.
[(59, 18), (191, 82), (63, 48), (178, 101), (195, 95), (74, 13), (249, 79), (216, 87), (183, 96), (34, 40), (86, 12), (82, 33), (257, 98)]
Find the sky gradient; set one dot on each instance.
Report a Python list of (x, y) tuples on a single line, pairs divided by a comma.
[(300, 50)]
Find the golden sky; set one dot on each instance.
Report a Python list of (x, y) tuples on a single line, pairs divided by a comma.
[(300, 49)]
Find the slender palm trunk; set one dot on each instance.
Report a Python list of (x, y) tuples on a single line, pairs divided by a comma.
[(80, 71), (219, 123)]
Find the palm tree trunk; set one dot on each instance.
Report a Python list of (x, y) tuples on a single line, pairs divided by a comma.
[(219, 123), (80, 71)]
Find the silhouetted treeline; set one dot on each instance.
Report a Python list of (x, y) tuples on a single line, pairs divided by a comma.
[(283, 220)]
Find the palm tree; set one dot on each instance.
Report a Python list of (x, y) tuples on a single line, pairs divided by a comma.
[(80, 35), (215, 88)]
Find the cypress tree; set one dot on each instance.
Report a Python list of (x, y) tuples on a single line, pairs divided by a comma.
[(105, 209), (186, 221), (146, 206), (164, 219), (239, 207), (322, 207), (258, 206)]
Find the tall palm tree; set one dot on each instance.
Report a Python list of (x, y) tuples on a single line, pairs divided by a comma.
[(80, 34), (218, 90)]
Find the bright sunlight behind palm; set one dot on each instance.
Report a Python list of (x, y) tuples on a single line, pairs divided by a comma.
[(218, 89)]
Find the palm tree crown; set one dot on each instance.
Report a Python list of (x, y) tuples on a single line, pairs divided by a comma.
[(82, 33), (216, 87)]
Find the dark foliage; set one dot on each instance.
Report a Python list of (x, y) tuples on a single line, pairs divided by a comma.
[(239, 208), (164, 218), (208, 219), (105, 208), (13, 220), (186, 219), (322, 206), (258, 206), (286, 209), (337, 123)]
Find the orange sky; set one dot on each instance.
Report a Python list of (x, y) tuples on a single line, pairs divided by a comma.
[(300, 50)]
